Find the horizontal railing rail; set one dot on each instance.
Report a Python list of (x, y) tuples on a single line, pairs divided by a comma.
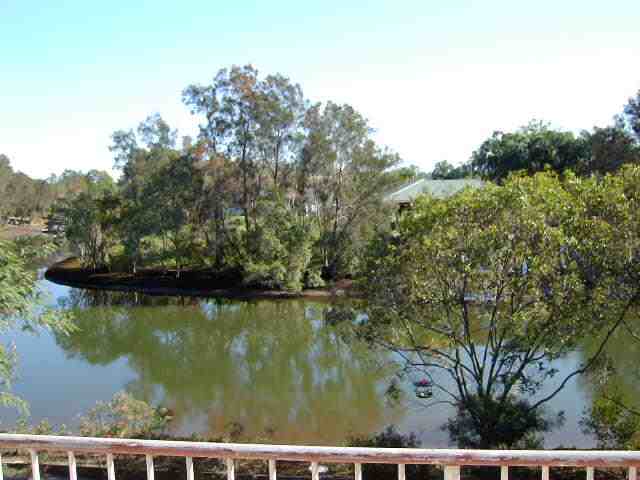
[(450, 459)]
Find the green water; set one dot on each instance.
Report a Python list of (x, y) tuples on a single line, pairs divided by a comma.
[(272, 371)]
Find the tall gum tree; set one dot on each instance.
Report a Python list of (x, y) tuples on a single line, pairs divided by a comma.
[(343, 175), (231, 108)]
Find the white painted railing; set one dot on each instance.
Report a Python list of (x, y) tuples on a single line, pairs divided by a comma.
[(450, 459)]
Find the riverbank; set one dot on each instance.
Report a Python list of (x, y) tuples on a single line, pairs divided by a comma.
[(11, 232), (191, 283)]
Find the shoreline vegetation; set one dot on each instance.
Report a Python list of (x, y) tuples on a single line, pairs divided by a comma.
[(190, 283)]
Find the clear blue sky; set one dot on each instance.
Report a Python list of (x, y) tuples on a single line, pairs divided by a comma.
[(434, 77)]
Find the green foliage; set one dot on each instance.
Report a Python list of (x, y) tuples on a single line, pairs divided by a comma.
[(90, 224), (313, 279), (611, 421), (608, 149), (532, 149), (443, 170), (27, 197), (388, 438), (537, 147), (123, 417), (492, 285), (285, 192), (632, 115), (519, 425), (21, 306), (613, 416), (279, 250), (44, 427), (343, 176)]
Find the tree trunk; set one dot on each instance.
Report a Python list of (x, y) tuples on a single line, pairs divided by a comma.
[(245, 188)]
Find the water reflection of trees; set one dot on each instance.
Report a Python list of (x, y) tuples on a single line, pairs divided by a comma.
[(618, 366), (263, 367), (77, 298), (613, 416)]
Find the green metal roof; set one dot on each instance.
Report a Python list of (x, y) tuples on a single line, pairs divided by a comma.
[(436, 188)]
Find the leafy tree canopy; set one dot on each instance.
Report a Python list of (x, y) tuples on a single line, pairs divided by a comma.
[(531, 149), (487, 288), (24, 196), (443, 170), (631, 115), (276, 187), (21, 306)]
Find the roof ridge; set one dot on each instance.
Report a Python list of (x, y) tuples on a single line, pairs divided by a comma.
[(408, 185)]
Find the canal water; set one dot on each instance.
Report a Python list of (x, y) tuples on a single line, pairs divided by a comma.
[(273, 371)]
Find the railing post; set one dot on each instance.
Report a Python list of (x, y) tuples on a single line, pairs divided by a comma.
[(231, 469), (452, 472), (504, 472), (633, 473), (401, 472), (315, 471), (111, 469), (189, 461), (590, 473), (35, 466), (545, 472), (1, 474), (150, 472), (357, 471), (272, 470), (73, 473)]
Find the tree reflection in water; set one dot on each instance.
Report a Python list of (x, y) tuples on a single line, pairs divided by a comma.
[(271, 370)]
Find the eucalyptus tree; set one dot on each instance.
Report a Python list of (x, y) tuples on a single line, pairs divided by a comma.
[(490, 287), (21, 195), (220, 193), (155, 132), (177, 186), (6, 172), (140, 157), (281, 108), (90, 226), (632, 115), (260, 148), (230, 106), (255, 123), (343, 175), (26, 196)]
